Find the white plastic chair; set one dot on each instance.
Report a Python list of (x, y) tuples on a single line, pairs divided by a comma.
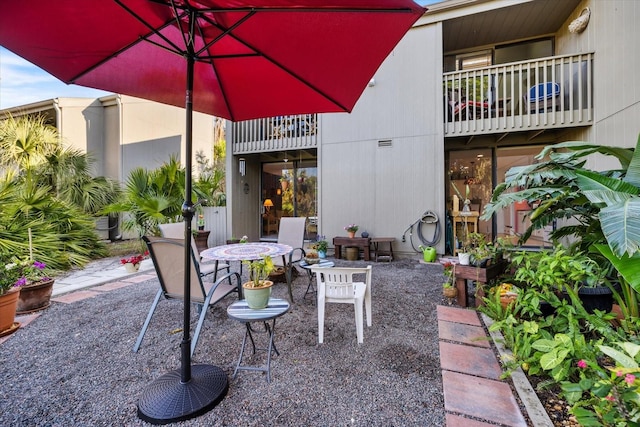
[(175, 230), (335, 284)]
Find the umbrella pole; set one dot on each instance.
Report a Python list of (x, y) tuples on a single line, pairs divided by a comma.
[(192, 390)]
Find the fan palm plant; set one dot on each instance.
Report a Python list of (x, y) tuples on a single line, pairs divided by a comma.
[(151, 197), (35, 219)]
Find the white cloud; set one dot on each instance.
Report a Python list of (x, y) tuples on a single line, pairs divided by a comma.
[(23, 83)]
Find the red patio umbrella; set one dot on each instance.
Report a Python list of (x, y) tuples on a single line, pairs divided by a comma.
[(233, 59)]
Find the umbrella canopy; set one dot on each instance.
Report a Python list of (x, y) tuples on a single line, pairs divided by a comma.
[(252, 59)]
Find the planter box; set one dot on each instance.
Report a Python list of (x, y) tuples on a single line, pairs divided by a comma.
[(478, 274)]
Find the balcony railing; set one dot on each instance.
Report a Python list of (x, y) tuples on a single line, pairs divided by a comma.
[(543, 93), (275, 134)]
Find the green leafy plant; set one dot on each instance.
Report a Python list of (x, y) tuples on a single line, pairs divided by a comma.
[(607, 394), (10, 274), (481, 252), (321, 244), (557, 269), (259, 270)]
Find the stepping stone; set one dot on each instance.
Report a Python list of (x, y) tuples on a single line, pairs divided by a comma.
[(470, 360), (481, 398), (466, 334), (458, 315)]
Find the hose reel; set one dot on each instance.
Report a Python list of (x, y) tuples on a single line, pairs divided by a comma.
[(427, 219)]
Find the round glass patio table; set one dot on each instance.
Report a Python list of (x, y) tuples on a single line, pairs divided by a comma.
[(248, 252), (245, 251)]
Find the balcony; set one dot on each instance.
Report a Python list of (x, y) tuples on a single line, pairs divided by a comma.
[(545, 93), (275, 134)]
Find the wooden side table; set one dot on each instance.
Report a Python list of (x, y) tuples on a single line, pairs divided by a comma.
[(359, 242), (382, 254), (464, 219)]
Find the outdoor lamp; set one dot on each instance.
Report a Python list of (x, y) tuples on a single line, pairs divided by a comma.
[(243, 166)]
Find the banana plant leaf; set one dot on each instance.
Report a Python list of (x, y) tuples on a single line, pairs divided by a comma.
[(627, 266)]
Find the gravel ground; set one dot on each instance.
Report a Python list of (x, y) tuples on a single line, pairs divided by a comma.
[(74, 365)]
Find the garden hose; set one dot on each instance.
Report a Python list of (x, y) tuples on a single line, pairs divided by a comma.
[(428, 218)]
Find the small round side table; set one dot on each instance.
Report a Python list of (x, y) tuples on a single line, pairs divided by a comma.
[(241, 312)]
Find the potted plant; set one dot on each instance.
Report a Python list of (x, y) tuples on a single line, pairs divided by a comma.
[(321, 246), (132, 263), (35, 293), (312, 257), (480, 251), (556, 271), (258, 289), (448, 286), (507, 292), (351, 230), (596, 290), (10, 281), (464, 252)]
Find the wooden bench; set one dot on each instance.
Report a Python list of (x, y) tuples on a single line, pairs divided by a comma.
[(382, 254)]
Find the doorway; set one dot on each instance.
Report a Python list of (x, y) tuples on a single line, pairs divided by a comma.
[(289, 189), (469, 177), (474, 174)]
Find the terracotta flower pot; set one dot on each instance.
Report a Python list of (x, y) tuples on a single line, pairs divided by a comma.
[(351, 234), (8, 304), (507, 299), (35, 297)]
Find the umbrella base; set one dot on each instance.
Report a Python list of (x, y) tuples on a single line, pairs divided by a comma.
[(168, 399)]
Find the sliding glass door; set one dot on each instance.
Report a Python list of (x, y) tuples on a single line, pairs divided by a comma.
[(289, 189)]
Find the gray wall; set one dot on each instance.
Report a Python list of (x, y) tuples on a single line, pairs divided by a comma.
[(380, 187)]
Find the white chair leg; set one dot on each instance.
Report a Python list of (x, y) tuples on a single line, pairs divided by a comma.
[(320, 320), (367, 306), (359, 322)]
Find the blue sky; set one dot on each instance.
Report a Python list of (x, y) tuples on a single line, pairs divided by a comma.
[(22, 83)]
